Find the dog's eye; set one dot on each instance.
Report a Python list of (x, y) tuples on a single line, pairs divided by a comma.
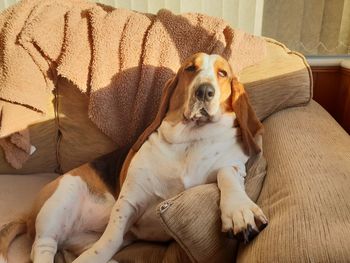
[(191, 68), (222, 73)]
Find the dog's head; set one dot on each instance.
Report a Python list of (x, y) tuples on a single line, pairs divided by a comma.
[(204, 88)]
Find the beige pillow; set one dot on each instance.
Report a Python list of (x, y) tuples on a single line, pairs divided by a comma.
[(283, 79), (192, 218)]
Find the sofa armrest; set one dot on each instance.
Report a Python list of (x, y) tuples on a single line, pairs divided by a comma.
[(306, 191)]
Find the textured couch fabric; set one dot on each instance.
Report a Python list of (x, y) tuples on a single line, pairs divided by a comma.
[(193, 219), (306, 192), (80, 140), (43, 135), (17, 193), (305, 195)]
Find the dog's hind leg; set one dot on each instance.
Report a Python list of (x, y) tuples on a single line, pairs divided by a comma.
[(132, 202), (113, 237), (56, 218)]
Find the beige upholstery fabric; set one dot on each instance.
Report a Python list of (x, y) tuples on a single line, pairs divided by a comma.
[(283, 79), (306, 191), (80, 140), (305, 196), (43, 135), (192, 218), (138, 252), (17, 193)]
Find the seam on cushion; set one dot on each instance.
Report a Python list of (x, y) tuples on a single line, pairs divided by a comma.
[(59, 133), (173, 234), (55, 81), (288, 51), (165, 226)]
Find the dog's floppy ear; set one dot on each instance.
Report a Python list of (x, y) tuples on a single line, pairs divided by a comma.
[(167, 92), (246, 117)]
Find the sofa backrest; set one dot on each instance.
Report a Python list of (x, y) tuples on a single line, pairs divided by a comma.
[(66, 138)]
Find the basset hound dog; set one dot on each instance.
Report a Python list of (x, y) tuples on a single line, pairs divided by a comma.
[(206, 135)]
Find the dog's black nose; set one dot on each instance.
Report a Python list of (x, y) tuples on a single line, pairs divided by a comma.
[(205, 92)]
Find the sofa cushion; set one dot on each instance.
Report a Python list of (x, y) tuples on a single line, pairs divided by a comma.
[(282, 79), (43, 135), (306, 190), (80, 140), (17, 193), (192, 218)]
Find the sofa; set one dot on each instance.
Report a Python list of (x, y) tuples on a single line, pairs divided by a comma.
[(305, 191)]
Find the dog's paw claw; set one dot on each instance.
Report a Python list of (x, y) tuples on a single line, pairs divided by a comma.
[(245, 235), (262, 226), (230, 234)]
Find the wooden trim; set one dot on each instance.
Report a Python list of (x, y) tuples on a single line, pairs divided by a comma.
[(344, 99), (325, 68), (345, 71), (332, 91)]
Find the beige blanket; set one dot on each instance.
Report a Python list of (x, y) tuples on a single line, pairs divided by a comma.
[(120, 58)]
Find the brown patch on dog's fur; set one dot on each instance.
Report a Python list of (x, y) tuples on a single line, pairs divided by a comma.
[(101, 176)]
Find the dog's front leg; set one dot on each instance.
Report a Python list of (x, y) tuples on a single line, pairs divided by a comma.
[(238, 211)]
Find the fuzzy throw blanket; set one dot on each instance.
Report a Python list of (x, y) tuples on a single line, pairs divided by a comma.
[(120, 58)]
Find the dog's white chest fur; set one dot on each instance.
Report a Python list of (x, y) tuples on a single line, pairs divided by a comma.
[(178, 157)]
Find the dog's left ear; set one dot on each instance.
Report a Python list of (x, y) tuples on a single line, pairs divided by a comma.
[(246, 117)]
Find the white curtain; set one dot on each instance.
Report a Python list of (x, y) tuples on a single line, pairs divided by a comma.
[(243, 14), (312, 27)]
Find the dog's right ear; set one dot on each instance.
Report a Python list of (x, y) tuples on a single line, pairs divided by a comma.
[(167, 92)]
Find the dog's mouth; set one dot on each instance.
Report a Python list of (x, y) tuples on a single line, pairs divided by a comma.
[(199, 114)]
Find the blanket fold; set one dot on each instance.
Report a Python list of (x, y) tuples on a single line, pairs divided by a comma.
[(120, 58)]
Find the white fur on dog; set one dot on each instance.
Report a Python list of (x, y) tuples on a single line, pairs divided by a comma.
[(173, 159)]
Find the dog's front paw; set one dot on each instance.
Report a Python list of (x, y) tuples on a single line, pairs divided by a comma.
[(242, 219)]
